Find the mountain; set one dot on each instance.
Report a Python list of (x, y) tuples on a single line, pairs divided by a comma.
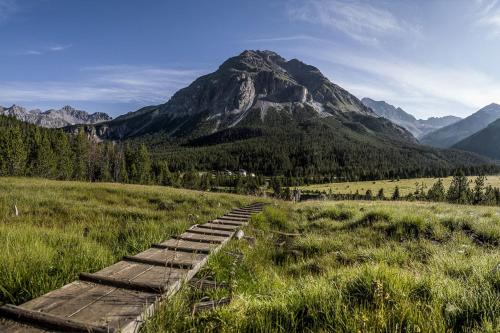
[(417, 127), (448, 136), (485, 142), (269, 115), (54, 118)]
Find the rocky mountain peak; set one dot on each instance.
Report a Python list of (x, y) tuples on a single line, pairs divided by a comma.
[(53, 118)]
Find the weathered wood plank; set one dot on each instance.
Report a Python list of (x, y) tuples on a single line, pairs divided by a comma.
[(202, 238), (161, 263), (122, 283), (204, 231), (49, 321), (216, 226)]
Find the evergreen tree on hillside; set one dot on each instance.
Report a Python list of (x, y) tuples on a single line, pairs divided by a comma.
[(478, 196), (81, 149), (64, 156), (437, 192), (459, 190), (395, 194)]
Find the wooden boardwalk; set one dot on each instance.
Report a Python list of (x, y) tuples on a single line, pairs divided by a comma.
[(120, 297)]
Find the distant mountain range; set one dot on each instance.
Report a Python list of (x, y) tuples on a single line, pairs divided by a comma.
[(269, 115), (485, 142), (450, 135), (54, 118), (417, 127)]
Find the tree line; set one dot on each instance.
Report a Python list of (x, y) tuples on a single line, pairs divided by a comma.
[(29, 150), (461, 191)]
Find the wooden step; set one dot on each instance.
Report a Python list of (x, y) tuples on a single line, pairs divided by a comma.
[(48, 321)]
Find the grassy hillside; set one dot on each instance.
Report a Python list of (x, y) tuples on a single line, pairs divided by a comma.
[(356, 267), (483, 142), (64, 228), (406, 186)]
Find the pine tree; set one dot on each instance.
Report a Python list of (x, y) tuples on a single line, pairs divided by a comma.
[(395, 194), (437, 192), (380, 194), (81, 149), (458, 191), (477, 194), (62, 149)]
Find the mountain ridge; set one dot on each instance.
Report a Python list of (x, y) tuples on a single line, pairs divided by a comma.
[(54, 118), (485, 142), (271, 116), (418, 127), (448, 136)]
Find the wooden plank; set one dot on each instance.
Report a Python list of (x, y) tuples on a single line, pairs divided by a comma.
[(204, 231), (216, 226), (161, 263), (228, 222), (233, 218), (48, 321), (202, 238), (185, 246), (121, 283)]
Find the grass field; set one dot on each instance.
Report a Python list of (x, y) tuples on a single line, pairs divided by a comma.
[(406, 186), (65, 228), (314, 266), (356, 267)]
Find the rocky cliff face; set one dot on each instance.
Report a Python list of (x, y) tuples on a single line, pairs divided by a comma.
[(54, 118), (417, 127), (243, 91)]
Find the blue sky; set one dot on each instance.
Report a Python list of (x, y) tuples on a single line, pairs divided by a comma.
[(431, 57)]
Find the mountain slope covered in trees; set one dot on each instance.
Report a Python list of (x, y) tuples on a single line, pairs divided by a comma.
[(271, 116), (485, 142), (448, 136)]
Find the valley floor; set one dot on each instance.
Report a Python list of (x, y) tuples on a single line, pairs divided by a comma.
[(406, 186), (314, 266)]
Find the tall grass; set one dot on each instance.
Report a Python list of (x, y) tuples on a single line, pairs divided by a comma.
[(392, 267), (64, 228)]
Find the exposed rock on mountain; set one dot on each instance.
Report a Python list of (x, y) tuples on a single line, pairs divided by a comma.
[(54, 118), (450, 135), (417, 127), (485, 142), (242, 92)]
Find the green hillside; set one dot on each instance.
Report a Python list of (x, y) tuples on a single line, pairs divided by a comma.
[(485, 142)]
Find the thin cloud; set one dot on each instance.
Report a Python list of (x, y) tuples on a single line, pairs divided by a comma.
[(7, 8), (417, 83), (47, 49), (358, 19), (115, 84), (57, 48), (489, 15)]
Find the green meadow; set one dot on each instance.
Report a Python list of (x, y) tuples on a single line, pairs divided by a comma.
[(406, 186), (308, 267)]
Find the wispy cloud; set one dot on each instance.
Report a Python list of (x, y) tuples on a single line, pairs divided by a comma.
[(488, 15), (7, 8), (115, 84), (415, 84), (356, 18), (57, 48), (46, 49)]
